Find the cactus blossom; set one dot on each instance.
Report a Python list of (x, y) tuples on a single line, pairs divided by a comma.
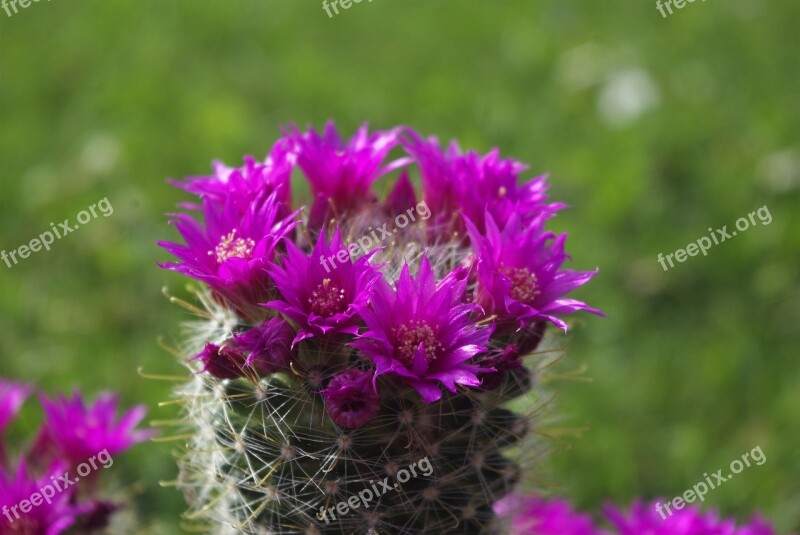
[(368, 393)]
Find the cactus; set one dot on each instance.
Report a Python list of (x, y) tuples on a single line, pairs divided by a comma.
[(351, 375), (54, 483)]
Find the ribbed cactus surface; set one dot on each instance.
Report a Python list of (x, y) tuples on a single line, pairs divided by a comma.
[(266, 458)]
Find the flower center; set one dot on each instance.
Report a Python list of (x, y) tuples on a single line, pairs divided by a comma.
[(410, 336), (232, 247), (328, 299), (524, 286)]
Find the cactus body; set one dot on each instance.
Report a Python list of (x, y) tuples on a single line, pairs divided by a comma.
[(355, 364), (266, 458)]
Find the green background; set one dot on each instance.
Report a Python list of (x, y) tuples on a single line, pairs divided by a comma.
[(653, 129)]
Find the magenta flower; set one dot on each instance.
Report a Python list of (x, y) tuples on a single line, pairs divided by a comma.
[(520, 279), (756, 526), (267, 348), (532, 515), (12, 396), (322, 291), (243, 184), (473, 185), (46, 518), (439, 185), (655, 520), (258, 351), (503, 362), (401, 197), (423, 333), (231, 251), (351, 399), (223, 362), (79, 432), (341, 173)]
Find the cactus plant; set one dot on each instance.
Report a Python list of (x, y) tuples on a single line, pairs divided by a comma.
[(353, 363), (54, 484)]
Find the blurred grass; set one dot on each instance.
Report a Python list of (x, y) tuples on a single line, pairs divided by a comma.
[(652, 130)]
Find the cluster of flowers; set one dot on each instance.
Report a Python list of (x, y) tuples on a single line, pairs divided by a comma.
[(536, 516), (463, 313), (72, 434)]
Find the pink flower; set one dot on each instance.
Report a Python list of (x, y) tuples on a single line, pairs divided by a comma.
[(520, 279), (231, 250), (351, 399), (12, 396), (532, 515), (423, 333), (77, 431), (48, 518), (341, 173), (321, 293)]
